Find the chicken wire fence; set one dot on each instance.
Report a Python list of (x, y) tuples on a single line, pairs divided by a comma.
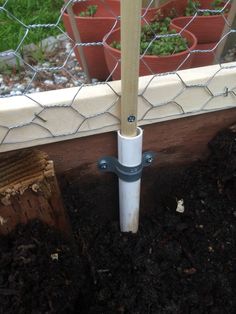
[(84, 50)]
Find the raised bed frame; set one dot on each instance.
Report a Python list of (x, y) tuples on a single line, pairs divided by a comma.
[(26, 121)]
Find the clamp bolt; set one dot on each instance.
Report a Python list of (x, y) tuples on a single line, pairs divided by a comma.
[(103, 165), (131, 119), (149, 159)]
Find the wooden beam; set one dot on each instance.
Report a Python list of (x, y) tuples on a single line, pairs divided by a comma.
[(76, 34), (157, 3), (177, 142), (29, 190), (230, 19), (154, 3), (145, 3), (130, 55)]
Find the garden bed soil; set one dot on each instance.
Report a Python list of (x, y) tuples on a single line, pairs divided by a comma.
[(178, 262)]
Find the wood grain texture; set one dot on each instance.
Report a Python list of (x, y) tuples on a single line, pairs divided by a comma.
[(227, 27), (176, 142), (130, 50), (29, 190), (78, 40)]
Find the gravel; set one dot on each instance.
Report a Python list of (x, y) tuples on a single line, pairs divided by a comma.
[(41, 75), (230, 56)]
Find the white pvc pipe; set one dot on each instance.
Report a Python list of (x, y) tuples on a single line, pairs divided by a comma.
[(130, 155)]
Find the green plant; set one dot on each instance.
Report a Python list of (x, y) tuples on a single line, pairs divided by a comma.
[(38, 55), (217, 4), (28, 12), (159, 16), (90, 11), (6, 69), (193, 6), (152, 44)]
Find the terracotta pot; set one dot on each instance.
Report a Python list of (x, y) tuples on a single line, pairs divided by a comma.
[(93, 29), (149, 64), (201, 59), (207, 29)]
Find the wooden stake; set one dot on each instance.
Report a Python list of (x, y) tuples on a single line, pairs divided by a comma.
[(230, 19), (145, 3), (29, 190), (130, 55), (78, 40), (155, 3)]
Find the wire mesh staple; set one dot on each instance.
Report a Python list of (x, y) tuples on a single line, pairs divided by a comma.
[(29, 67)]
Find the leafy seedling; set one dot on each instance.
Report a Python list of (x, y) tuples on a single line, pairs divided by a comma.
[(193, 6), (154, 43), (90, 11)]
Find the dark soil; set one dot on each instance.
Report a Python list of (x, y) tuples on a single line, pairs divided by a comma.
[(177, 263), (40, 271)]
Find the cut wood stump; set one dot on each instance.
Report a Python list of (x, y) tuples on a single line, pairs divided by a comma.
[(29, 190)]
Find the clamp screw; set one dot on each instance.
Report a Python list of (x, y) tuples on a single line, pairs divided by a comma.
[(131, 119), (103, 165), (149, 159)]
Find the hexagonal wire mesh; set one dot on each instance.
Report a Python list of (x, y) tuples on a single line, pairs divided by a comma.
[(42, 52)]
